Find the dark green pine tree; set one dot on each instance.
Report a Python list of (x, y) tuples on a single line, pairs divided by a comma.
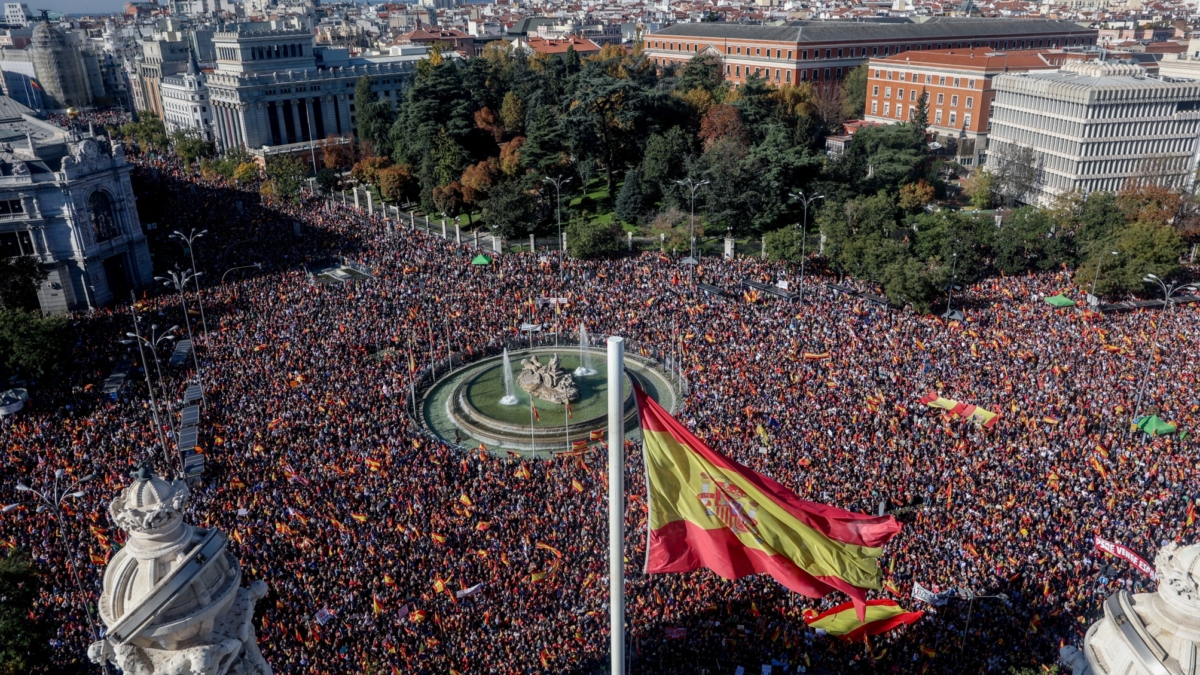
[(545, 145), (631, 203)]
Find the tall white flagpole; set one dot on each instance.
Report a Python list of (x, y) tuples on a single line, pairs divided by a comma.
[(616, 502)]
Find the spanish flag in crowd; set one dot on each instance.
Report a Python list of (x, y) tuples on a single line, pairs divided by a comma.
[(881, 617), (707, 510)]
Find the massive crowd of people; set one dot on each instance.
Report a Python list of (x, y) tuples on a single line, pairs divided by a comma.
[(304, 398)]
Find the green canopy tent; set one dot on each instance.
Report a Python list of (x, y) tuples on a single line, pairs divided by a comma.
[(481, 260), (1155, 426), (1060, 301)]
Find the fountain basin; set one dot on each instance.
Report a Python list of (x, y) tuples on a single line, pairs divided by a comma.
[(467, 405)]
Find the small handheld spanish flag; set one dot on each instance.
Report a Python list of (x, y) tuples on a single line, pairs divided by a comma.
[(376, 605)]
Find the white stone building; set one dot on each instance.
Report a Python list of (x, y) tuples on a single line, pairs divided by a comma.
[(185, 102), (17, 14), (1093, 126), (67, 201)]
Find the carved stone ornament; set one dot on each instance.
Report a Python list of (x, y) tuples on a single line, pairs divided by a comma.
[(1147, 633), (547, 381)]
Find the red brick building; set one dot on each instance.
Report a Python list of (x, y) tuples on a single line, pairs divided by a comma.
[(823, 51)]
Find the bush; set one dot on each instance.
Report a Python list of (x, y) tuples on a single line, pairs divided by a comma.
[(785, 244), (587, 239)]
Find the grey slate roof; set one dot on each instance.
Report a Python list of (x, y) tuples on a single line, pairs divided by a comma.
[(845, 31)]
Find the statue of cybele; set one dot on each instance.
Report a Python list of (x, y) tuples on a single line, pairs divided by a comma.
[(172, 602)]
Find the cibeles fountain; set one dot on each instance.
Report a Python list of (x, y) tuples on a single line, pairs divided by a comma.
[(173, 603), (1147, 633), (539, 400)]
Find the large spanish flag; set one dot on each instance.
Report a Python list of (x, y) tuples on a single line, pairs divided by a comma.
[(707, 510), (881, 617)]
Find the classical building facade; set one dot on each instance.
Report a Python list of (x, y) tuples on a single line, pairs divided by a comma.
[(821, 51), (274, 87), (1095, 125), (60, 69), (67, 201), (959, 86), (185, 102)]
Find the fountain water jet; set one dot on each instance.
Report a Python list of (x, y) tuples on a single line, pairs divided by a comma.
[(509, 397), (585, 355)]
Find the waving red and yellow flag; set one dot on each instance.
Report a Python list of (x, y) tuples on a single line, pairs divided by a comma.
[(707, 510), (881, 617)]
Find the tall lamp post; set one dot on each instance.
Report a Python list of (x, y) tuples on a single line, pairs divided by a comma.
[(152, 344), (558, 183), (692, 187), (180, 280), (799, 195), (950, 284), (1097, 278), (189, 240), (137, 334), (1169, 293), (51, 500)]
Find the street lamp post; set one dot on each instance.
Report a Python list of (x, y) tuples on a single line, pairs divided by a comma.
[(950, 286), (1169, 293), (52, 500), (152, 344), (179, 280), (804, 234), (1099, 260), (239, 267), (189, 240), (149, 386), (558, 183), (692, 187)]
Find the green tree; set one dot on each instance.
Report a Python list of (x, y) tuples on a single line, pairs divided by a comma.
[(605, 117), (449, 159), (947, 234), (436, 100), (545, 149), (24, 642), (19, 281), (854, 92), (702, 71), (188, 145), (285, 176), (631, 202), (1142, 248), (509, 209), (913, 282), (665, 161), (588, 239), (1028, 240), (785, 244), (148, 132), (919, 117), (861, 235), (30, 343), (374, 117)]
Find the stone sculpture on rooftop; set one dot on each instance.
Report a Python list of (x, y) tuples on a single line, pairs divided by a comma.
[(1147, 633), (172, 602)]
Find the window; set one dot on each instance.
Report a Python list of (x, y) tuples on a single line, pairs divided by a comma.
[(967, 120), (16, 244), (875, 91), (970, 84), (928, 79), (876, 74), (839, 53), (828, 52), (874, 107), (954, 101), (900, 94), (970, 102), (10, 207), (804, 54), (912, 94), (787, 76), (104, 225), (789, 55), (953, 115), (942, 81), (887, 92), (738, 71), (941, 99), (757, 52), (956, 81), (938, 117), (887, 109)]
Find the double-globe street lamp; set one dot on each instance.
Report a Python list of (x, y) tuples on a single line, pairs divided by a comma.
[(180, 280), (51, 500), (806, 200), (1169, 293), (189, 243), (692, 187)]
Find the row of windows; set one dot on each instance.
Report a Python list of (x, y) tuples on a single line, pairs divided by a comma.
[(952, 118), (903, 77), (1033, 118), (263, 53), (783, 75), (912, 96), (884, 50), (16, 244)]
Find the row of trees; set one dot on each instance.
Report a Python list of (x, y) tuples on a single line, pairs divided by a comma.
[(1112, 241)]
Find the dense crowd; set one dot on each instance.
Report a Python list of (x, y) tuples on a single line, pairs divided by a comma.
[(304, 398)]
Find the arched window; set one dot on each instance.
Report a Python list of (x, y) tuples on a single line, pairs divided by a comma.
[(104, 225)]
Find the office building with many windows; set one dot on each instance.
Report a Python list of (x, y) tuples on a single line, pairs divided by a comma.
[(823, 51), (1095, 125)]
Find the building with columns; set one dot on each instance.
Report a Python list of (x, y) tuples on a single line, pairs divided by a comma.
[(275, 87), (66, 200)]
